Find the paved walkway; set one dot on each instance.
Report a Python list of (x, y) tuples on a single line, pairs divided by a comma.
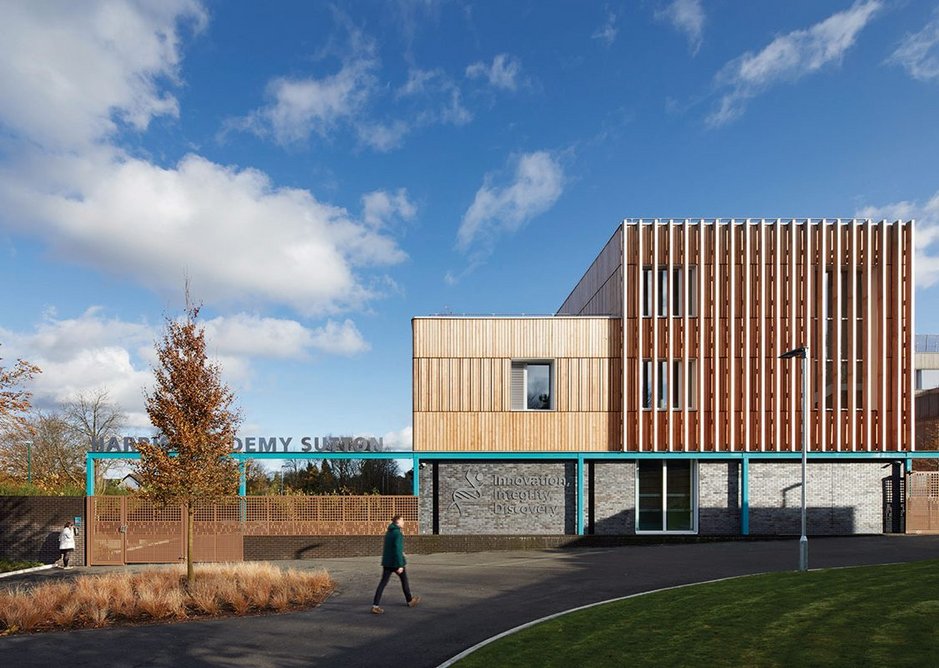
[(467, 598)]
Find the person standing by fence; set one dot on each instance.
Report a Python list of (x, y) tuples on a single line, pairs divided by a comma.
[(67, 543), (394, 561)]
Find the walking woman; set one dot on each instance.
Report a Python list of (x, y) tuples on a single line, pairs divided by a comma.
[(67, 543), (393, 561)]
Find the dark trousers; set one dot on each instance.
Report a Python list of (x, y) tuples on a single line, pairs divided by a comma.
[(385, 575), (65, 555)]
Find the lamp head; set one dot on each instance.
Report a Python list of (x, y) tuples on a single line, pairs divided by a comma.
[(795, 352)]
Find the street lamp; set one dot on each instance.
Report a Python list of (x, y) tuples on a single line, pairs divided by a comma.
[(29, 461), (803, 354)]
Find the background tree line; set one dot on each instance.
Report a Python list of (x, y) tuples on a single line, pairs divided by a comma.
[(338, 476)]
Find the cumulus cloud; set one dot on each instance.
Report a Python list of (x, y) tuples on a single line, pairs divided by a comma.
[(608, 31), (300, 106), (502, 73), (239, 237), (73, 73), (247, 335), (926, 215), (95, 351), (687, 17), (381, 207), (919, 53), (534, 188), (403, 439), (789, 58)]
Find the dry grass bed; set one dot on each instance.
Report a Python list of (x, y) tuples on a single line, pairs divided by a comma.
[(160, 595)]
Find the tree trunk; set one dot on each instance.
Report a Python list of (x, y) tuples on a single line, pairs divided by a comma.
[(190, 514)]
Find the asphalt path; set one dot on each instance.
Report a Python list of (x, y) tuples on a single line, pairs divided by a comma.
[(468, 597)]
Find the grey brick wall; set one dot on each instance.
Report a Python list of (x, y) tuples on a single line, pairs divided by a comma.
[(718, 498), (30, 526), (614, 498), (506, 497), (842, 497)]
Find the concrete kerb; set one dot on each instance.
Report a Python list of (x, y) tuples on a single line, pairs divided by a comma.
[(27, 570)]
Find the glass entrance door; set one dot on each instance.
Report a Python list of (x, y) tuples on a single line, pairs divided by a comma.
[(665, 496)]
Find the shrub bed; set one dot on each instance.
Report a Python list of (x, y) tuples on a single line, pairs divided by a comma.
[(160, 594)]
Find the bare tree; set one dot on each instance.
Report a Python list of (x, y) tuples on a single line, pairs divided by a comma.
[(93, 417), (194, 410)]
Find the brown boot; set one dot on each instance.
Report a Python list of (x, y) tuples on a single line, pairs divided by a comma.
[(414, 601)]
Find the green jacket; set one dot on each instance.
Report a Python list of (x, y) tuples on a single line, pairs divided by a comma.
[(393, 554)]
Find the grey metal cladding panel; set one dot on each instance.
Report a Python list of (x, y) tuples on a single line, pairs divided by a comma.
[(596, 281)]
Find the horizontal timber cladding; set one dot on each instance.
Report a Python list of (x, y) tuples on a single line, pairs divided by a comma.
[(600, 291), (462, 384), (714, 303)]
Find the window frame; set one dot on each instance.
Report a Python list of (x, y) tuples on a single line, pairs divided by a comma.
[(695, 509), (552, 385)]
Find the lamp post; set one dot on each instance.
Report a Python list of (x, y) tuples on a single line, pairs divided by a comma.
[(803, 354), (29, 462)]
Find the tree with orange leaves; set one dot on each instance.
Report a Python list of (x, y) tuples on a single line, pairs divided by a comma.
[(194, 410), (14, 401)]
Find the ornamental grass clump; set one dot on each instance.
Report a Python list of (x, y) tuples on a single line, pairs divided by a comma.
[(160, 595)]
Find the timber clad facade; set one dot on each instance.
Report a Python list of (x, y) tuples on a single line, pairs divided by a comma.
[(668, 350)]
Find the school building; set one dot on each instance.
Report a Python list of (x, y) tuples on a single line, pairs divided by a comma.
[(655, 399)]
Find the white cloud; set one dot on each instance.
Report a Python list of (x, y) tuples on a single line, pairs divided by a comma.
[(85, 354), (96, 352), (919, 52), (687, 17), (301, 106), (535, 187), (926, 216), (238, 237), (789, 58), (608, 31), (381, 207), (246, 335), (402, 439), (72, 73), (339, 339), (502, 73)]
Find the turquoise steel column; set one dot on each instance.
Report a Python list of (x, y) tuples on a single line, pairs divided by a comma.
[(89, 475), (242, 479), (745, 496), (909, 463), (416, 476), (580, 495)]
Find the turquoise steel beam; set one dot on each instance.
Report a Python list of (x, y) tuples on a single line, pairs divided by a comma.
[(242, 479), (416, 476), (580, 495), (745, 496), (89, 475)]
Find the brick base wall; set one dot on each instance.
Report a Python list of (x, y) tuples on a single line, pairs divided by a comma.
[(30, 526), (842, 497), (718, 498)]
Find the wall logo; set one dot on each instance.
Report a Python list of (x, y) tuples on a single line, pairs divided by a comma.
[(471, 493)]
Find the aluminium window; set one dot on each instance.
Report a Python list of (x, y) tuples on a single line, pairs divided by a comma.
[(658, 299), (683, 383), (532, 386)]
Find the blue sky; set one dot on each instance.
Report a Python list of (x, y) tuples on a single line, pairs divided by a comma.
[(324, 172)]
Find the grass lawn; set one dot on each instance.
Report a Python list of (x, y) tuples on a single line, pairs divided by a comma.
[(869, 616), (6, 566)]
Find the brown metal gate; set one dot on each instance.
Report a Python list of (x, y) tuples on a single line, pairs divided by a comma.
[(131, 530), (922, 502)]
